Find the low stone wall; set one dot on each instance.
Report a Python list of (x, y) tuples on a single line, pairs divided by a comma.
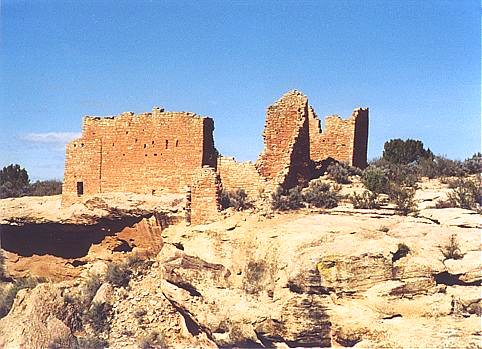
[(236, 175)]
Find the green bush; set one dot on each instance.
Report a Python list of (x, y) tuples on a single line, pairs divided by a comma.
[(45, 188), (403, 198), (118, 275), (319, 194), (452, 249), (90, 289), (284, 200), (397, 151), (98, 316), (403, 175), (91, 342), (8, 294), (2, 265), (440, 166), (339, 172), (367, 200), (135, 261), (254, 275), (237, 199), (14, 181), (473, 165), (465, 194), (153, 340), (72, 313), (375, 179)]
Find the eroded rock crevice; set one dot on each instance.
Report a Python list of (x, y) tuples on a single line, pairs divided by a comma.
[(448, 279), (60, 240), (61, 251)]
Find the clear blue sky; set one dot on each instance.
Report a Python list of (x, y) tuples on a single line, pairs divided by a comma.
[(415, 64)]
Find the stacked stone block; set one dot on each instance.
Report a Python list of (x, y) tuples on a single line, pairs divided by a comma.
[(146, 153), (235, 175), (342, 140), (286, 155), (161, 151), (204, 196)]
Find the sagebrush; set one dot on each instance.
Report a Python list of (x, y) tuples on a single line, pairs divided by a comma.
[(366, 200), (237, 199)]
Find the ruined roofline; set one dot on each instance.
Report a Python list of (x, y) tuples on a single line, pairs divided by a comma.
[(156, 112), (355, 114), (290, 93), (222, 157)]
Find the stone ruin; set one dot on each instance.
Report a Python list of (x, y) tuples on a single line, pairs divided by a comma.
[(157, 152)]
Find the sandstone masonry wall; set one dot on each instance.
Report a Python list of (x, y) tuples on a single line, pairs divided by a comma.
[(161, 151), (204, 197), (286, 155), (342, 140), (144, 153), (235, 175), (82, 165)]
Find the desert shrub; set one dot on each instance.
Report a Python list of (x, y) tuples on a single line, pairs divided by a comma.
[(8, 294), (253, 276), (465, 194), (91, 342), (375, 179), (397, 151), (403, 198), (440, 166), (14, 181), (339, 172), (2, 265), (135, 260), (153, 340), (90, 289), (284, 200), (45, 188), (443, 204), (452, 249), (237, 199), (321, 194), (139, 314), (403, 175), (473, 165), (98, 316), (118, 275), (367, 200), (72, 314)]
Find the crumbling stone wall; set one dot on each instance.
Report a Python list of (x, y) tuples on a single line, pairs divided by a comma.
[(204, 196), (342, 140), (235, 175), (286, 155), (145, 153), (161, 151)]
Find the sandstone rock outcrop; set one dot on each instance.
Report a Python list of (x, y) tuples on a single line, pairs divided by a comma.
[(42, 239), (337, 277), (36, 320), (320, 280)]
